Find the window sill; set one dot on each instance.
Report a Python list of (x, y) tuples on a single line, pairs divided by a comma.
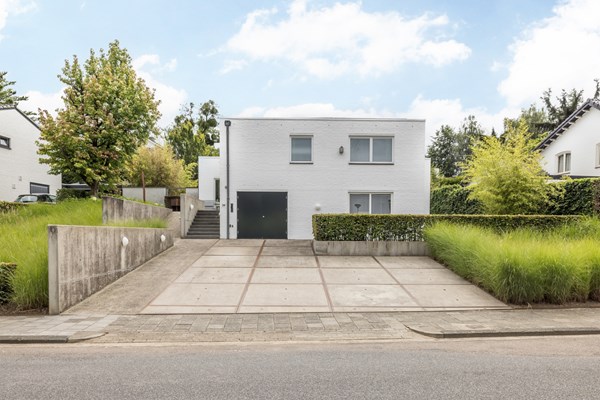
[(371, 163), (302, 162)]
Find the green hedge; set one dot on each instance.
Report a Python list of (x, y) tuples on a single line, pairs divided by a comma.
[(6, 206), (359, 227), (579, 197), (7, 271), (454, 199), (68, 194)]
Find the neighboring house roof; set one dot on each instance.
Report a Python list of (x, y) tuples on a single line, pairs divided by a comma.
[(6, 108), (570, 120)]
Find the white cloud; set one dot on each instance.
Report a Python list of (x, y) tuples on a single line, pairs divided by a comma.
[(559, 52), (170, 97), (343, 38), (436, 112), (45, 101), (13, 7), (233, 65)]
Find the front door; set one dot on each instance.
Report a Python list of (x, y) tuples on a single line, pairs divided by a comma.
[(262, 215)]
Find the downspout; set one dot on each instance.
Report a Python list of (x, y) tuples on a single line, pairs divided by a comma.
[(227, 125)]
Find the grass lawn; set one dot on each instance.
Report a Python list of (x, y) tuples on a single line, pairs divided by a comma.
[(524, 266), (24, 239)]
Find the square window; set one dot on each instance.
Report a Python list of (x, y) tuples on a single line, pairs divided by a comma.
[(371, 150), (370, 203), (302, 149), (564, 163), (4, 142)]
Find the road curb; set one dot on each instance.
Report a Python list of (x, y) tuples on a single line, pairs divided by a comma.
[(30, 339), (486, 333)]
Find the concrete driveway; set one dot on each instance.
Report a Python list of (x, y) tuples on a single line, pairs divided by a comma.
[(259, 276)]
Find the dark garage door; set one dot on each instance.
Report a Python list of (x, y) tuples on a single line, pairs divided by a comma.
[(262, 215)]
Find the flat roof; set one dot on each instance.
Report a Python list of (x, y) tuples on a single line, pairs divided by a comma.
[(370, 119)]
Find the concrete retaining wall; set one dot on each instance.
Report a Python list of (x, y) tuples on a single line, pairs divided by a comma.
[(153, 194), (189, 206), (119, 210), (84, 259), (381, 248)]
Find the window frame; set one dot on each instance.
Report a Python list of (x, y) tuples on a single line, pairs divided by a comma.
[(7, 145), (371, 149), (40, 185), (597, 155), (561, 167), (300, 136), (370, 194)]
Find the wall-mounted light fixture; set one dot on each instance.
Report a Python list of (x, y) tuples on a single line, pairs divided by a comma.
[(163, 238), (191, 206), (318, 207), (125, 241), (341, 150)]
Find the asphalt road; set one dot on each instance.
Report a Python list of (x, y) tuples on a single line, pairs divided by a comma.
[(558, 368)]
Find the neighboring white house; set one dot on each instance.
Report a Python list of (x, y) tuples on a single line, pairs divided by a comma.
[(282, 171), (573, 148), (20, 170)]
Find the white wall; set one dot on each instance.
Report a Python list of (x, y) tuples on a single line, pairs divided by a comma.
[(580, 139), (153, 195), (19, 166), (208, 171), (260, 161)]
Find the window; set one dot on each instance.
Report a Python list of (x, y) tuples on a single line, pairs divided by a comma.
[(564, 163), (371, 150), (5, 142), (35, 188), (370, 203), (598, 155), (302, 149)]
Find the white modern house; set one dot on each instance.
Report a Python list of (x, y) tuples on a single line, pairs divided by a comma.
[(276, 173), (20, 170), (573, 148)]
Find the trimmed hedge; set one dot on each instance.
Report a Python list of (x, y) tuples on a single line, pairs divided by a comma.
[(579, 197), (68, 194), (7, 206), (360, 227), (7, 271), (454, 199)]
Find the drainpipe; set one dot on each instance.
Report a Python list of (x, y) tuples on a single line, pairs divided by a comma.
[(227, 125)]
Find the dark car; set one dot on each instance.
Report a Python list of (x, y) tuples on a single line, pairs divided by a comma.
[(36, 198)]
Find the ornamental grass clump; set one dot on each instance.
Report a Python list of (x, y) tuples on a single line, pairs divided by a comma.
[(525, 265)]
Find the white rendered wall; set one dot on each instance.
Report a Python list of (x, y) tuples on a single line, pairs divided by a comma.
[(580, 139), (19, 166), (260, 161), (208, 171), (153, 194)]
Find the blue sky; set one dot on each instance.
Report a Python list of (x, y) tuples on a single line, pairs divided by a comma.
[(439, 60)]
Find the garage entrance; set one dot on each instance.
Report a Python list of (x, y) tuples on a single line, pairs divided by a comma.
[(262, 215)]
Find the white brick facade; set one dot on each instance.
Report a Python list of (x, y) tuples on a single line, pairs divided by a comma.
[(19, 165), (260, 161)]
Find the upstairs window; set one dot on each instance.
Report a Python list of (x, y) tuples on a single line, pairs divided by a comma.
[(372, 150), (5, 142), (370, 203), (564, 163), (301, 149), (598, 155)]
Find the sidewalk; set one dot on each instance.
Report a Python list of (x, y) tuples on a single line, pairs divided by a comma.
[(297, 326)]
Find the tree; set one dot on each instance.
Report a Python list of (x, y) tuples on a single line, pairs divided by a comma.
[(8, 96), (192, 136), (108, 113), (566, 104), (537, 122), (451, 147), (159, 167), (507, 177)]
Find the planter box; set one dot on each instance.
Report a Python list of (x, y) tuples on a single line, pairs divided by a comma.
[(369, 248)]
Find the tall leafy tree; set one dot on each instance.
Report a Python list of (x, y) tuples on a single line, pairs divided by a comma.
[(194, 133), (452, 146), (159, 167), (538, 124), (565, 104), (108, 114), (507, 176)]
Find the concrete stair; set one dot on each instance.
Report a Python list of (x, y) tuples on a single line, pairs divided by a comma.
[(206, 225)]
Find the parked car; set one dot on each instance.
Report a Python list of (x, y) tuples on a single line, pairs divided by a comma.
[(36, 198)]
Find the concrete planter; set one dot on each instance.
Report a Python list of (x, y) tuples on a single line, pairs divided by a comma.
[(369, 248)]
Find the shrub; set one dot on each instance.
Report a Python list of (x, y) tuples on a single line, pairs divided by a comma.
[(454, 199), (525, 265), (358, 227), (69, 194), (577, 197), (6, 206)]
